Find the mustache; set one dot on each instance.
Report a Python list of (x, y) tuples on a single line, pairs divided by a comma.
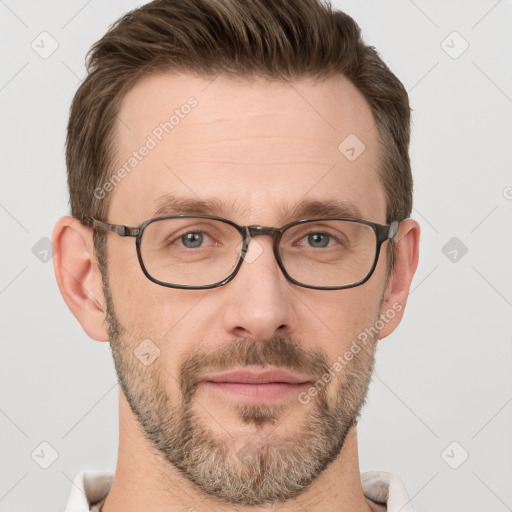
[(279, 351)]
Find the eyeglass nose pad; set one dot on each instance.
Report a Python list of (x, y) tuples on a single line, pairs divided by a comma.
[(243, 246), (243, 249)]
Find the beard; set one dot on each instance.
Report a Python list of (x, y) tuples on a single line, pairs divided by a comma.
[(265, 469)]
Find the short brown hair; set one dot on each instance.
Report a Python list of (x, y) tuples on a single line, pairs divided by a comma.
[(275, 39)]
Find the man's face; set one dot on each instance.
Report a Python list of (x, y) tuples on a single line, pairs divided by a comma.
[(259, 148)]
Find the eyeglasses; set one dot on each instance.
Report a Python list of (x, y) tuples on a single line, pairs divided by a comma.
[(198, 252)]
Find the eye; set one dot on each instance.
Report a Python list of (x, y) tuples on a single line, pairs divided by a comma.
[(318, 239), (192, 239)]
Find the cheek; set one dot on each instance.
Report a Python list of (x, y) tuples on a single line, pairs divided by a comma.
[(169, 317), (347, 315), (141, 306)]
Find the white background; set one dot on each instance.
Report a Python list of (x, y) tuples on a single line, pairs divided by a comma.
[(443, 376)]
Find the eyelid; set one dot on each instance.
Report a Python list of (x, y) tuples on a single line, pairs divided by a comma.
[(191, 229), (332, 236)]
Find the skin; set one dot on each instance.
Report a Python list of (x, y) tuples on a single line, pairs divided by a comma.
[(260, 145)]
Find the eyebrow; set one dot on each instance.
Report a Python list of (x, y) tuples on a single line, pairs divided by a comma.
[(170, 204)]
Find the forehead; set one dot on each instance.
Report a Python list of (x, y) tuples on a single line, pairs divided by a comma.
[(255, 147)]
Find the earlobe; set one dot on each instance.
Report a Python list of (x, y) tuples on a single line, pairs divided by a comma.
[(78, 276), (397, 289)]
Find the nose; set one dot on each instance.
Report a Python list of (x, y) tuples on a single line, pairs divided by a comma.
[(259, 297)]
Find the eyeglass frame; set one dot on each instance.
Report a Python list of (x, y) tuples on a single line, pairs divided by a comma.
[(383, 232)]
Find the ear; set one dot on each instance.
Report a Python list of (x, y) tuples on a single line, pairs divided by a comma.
[(397, 290), (78, 275)]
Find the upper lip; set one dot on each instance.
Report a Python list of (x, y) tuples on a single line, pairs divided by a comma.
[(247, 377)]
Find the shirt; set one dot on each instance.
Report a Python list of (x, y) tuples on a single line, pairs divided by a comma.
[(90, 488)]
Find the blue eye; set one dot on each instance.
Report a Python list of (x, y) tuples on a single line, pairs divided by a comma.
[(318, 240), (192, 240)]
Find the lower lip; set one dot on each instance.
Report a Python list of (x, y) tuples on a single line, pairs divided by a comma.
[(268, 391)]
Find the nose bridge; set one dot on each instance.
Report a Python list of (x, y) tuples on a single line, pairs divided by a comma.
[(265, 308), (257, 230)]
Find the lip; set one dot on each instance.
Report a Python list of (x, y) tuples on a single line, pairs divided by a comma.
[(256, 392), (266, 377)]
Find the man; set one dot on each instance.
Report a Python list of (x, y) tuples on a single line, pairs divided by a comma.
[(240, 190)]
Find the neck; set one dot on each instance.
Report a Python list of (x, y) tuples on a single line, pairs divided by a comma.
[(144, 480)]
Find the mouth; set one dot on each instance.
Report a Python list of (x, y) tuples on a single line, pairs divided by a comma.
[(257, 386)]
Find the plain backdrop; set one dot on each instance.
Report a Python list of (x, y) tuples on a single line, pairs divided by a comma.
[(439, 410)]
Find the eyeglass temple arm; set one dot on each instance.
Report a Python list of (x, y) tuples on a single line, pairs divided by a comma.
[(387, 232), (393, 229), (115, 228)]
